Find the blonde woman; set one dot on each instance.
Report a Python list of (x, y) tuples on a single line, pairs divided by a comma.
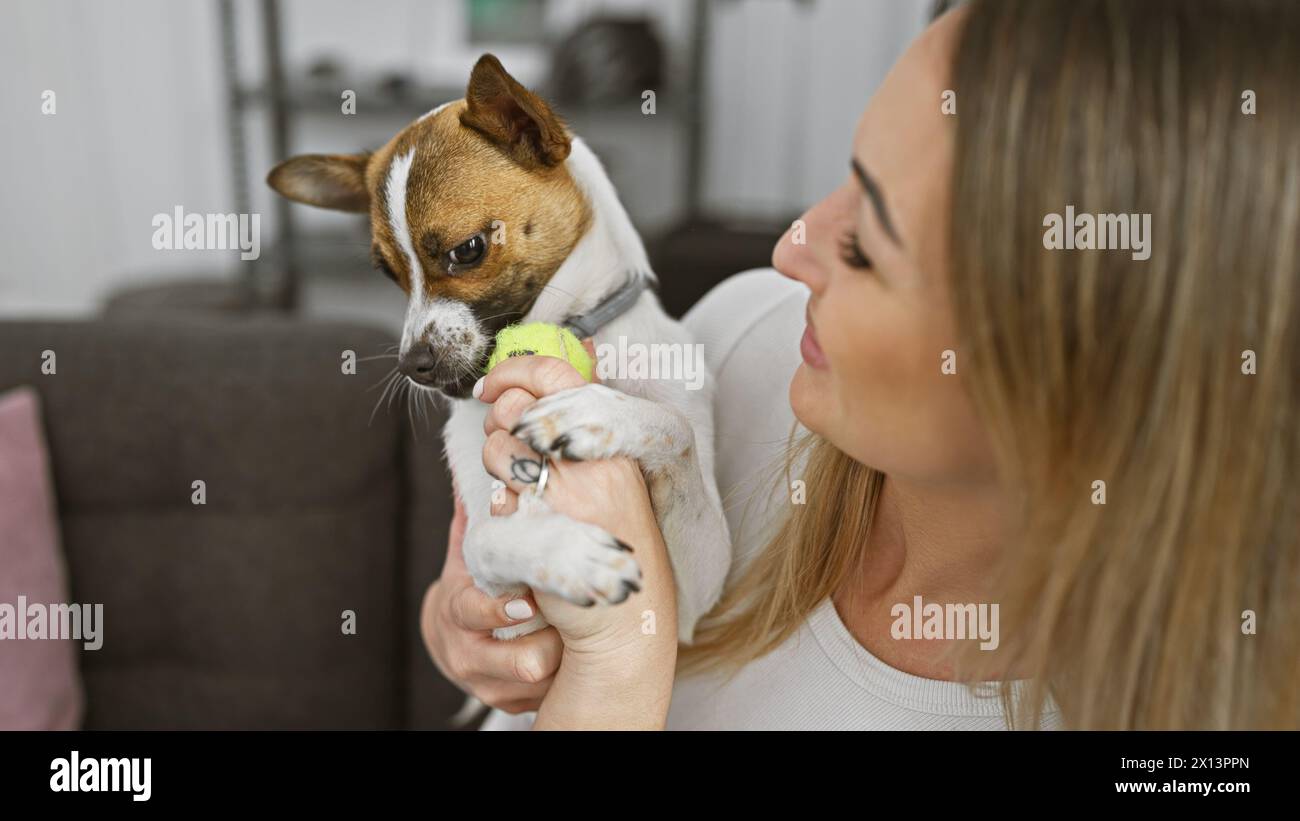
[(1093, 449)]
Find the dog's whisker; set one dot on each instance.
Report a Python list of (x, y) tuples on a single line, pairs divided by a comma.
[(420, 409), (393, 388), (558, 289), (545, 288), (497, 316), (434, 405), (384, 379), (410, 402), (388, 384), (412, 405), (398, 385)]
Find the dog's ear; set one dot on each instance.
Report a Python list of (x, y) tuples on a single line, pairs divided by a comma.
[(513, 117), (335, 181)]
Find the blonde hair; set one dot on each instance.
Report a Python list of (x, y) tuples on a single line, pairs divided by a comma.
[(1092, 366)]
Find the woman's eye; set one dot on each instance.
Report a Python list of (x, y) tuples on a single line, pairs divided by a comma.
[(468, 252), (852, 252)]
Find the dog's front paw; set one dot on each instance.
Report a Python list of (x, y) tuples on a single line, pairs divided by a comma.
[(579, 423), (582, 563)]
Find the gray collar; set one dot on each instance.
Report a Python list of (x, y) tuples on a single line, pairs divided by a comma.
[(609, 308)]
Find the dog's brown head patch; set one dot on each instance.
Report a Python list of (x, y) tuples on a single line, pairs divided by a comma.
[(472, 202)]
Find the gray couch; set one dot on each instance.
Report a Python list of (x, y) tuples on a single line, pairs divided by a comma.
[(229, 614)]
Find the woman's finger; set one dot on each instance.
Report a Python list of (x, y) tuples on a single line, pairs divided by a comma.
[(472, 609), (504, 500), (590, 345), (505, 412), (514, 708), (539, 375), (512, 462), (530, 659)]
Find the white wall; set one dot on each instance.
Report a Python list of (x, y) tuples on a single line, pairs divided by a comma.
[(141, 124), (788, 82), (136, 132)]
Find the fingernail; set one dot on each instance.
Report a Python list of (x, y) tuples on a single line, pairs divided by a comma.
[(518, 609), (478, 387)]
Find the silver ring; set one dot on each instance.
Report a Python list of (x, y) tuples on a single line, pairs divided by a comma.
[(542, 477)]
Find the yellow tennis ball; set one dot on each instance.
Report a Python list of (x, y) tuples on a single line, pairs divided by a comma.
[(541, 339)]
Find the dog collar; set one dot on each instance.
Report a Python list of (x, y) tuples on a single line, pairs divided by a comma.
[(609, 308)]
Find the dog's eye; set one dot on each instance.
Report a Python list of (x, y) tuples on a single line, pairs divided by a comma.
[(382, 265), (469, 252)]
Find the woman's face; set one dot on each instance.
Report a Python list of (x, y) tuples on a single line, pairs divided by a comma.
[(873, 380)]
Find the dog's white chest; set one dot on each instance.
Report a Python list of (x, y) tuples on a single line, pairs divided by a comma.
[(464, 439)]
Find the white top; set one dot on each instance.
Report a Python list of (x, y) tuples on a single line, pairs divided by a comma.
[(820, 678)]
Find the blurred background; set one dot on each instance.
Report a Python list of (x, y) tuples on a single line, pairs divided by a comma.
[(209, 447), (163, 103)]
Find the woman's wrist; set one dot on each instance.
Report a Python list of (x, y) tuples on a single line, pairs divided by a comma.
[(629, 690), (619, 675)]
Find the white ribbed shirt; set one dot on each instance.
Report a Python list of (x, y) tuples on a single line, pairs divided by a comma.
[(820, 678)]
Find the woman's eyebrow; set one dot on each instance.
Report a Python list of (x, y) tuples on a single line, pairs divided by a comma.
[(872, 191)]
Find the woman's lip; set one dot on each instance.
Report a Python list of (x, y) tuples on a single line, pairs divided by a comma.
[(811, 351)]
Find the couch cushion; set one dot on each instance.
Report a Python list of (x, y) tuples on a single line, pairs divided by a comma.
[(228, 613)]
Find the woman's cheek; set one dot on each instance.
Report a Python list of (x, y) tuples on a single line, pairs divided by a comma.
[(879, 388)]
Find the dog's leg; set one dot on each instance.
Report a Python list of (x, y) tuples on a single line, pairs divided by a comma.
[(597, 422), (544, 550)]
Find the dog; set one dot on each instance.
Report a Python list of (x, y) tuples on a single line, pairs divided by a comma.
[(487, 211)]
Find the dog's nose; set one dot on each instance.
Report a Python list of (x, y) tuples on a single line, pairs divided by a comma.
[(419, 364)]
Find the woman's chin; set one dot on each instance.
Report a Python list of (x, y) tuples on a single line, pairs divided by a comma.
[(807, 397)]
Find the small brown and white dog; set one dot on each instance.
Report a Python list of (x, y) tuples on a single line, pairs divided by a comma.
[(442, 195)]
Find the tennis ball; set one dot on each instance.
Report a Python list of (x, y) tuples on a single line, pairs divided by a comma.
[(541, 339)]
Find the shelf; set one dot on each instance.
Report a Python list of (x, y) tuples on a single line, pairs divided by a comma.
[(325, 253), (318, 98), (321, 98)]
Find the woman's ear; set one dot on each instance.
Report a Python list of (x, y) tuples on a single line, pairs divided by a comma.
[(336, 181), (513, 117)]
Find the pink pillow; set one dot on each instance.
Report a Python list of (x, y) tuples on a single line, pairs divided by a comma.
[(40, 688)]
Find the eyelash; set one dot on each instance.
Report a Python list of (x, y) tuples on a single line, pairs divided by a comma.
[(852, 253), (382, 265)]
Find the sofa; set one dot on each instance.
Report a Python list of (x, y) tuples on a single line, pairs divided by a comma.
[(234, 613)]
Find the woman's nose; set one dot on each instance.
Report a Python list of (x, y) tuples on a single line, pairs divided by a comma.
[(794, 254)]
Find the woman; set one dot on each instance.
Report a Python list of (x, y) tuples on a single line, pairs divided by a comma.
[(1100, 443)]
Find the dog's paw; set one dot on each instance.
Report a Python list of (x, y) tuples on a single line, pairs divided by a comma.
[(582, 563), (587, 422)]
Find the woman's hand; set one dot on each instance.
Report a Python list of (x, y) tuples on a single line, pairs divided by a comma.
[(456, 621), (618, 660)]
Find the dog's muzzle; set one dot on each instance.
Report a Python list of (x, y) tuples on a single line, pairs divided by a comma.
[(426, 367)]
